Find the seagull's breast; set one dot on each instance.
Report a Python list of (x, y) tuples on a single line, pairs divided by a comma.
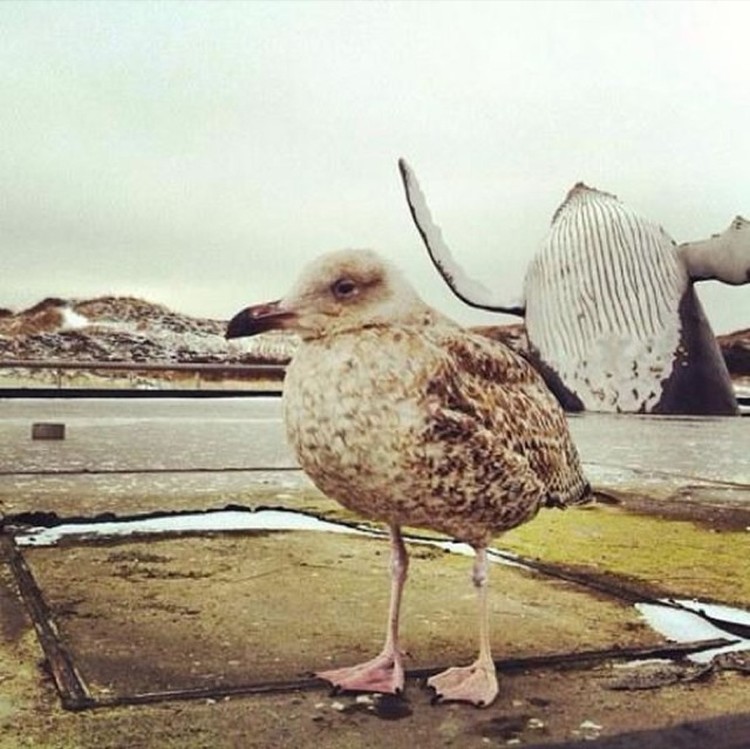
[(352, 409), (403, 426)]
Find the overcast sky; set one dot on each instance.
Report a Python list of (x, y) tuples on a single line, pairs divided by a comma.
[(195, 153)]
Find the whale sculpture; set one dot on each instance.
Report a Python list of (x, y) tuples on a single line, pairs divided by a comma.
[(612, 318)]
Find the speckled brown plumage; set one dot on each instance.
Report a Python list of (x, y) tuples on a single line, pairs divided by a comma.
[(428, 425), (404, 417)]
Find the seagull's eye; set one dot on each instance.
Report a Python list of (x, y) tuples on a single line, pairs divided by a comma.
[(344, 288)]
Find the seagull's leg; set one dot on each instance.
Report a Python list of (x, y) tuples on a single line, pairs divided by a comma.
[(385, 672), (476, 683)]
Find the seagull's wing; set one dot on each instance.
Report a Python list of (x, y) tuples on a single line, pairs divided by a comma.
[(487, 397)]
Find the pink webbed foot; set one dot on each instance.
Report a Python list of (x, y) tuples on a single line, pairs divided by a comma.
[(476, 684), (383, 674)]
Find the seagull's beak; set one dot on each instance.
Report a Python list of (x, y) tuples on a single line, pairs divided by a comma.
[(258, 319)]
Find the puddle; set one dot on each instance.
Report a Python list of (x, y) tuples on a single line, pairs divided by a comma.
[(208, 522), (688, 621)]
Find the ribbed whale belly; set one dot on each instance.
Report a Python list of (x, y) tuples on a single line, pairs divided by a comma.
[(602, 303)]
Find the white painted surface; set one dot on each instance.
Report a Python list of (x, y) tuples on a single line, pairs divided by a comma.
[(602, 299), (725, 256), (469, 289)]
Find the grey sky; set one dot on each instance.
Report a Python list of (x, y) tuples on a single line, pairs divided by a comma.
[(196, 153)]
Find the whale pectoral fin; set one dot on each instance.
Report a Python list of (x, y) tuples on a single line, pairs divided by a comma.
[(463, 286), (724, 257)]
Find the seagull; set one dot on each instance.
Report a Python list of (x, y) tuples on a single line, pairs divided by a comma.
[(406, 418)]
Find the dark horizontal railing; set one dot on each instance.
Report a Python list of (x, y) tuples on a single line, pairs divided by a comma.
[(203, 387), (253, 370)]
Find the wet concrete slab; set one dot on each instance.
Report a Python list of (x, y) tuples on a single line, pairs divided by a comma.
[(210, 611), (128, 457), (216, 610)]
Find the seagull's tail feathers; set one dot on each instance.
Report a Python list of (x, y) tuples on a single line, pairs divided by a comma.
[(582, 496)]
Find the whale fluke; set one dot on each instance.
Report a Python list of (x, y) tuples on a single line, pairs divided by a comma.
[(467, 289), (724, 257), (611, 309), (612, 318), (580, 190)]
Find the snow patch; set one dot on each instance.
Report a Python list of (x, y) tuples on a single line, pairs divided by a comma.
[(71, 320), (229, 520), (682, 623)]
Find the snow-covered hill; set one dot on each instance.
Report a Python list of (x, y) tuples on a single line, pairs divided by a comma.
[(126, 329)]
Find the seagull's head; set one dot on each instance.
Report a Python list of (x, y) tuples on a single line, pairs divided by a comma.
[(338, 291)]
